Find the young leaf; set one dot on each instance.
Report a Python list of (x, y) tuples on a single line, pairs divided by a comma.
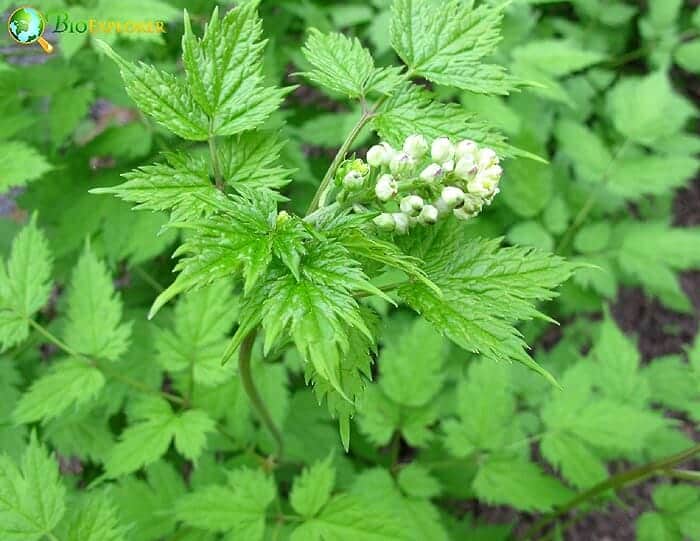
[(171, 186), (24, 284), (312, 489), (445, 43), (237, 507), (556, 57), (69, 382), (94, 519), (162, 96), (224, 71), (20, 164), (342, 65), (94, 326), (416, 480), (32, 498)]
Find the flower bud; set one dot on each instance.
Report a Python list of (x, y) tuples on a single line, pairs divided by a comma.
[(483, 185), (448, 166), (452, 196), (378, 156), (353, 180), (401, 164), (401, 222), (466, 148), (411, 205), (386, 188), (415, 146), (428, 215), (385, 222), (494, 172), (442, 207), (472, 204), (466, 168), (462, 214), (442, 150), (431, 173), (486, 157)]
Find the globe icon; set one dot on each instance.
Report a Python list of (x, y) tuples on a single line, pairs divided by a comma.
[(26, 25)]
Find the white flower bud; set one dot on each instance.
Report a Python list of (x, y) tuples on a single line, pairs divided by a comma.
[(472, 204), (466, 148), (415, 146), (442, 150), (401, 222), (411, 205), (385, 222), (386, 188), (449, 166), (494, 172), (353, 180), (452, 196), (431, 173), (486, 157), (462, 214), (428, 215), (377, 156), (401, 164), (483, 185), (466, 168), (442, 207)]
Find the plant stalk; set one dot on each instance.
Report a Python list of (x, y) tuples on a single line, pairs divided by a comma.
[(256, 400), (216, 166), (633, 475)]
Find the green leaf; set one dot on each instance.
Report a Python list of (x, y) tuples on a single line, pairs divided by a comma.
[(556, 57), (312, 489), (411, 365), (687, 56), (593, 237), (252, 161), (198, 336), (652, 251), (414, 110), (416, 480), (94, 314), (32, 498), (531, 233), (521, 484), (590, 156), (20, 164), (576, 461), (486, 289), (343, 66), (68, 108), (154, 425), (350, 518), (237, 507), (94, 519), (162, 96), (173, 186), (655, 527), (639, 176), (445, 43), (24, 284), (224, 71), (69, 383), (647, 109)]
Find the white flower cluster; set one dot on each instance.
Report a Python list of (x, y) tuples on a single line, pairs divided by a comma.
[(429, 181)]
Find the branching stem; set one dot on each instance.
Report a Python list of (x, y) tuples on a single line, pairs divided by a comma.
[(256, 400), (631, 476)]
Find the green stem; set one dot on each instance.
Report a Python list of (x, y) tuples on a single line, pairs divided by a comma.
[(104, 368), (146, 277), (684, 475), (321, 194), (256, 400), (590, 202), (216, 166), (633, 475)]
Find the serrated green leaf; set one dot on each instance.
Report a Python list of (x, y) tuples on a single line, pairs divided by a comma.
[(416, 480), (639, 176), (162, 96), (24, 284), (445, 43), (20, 164), (190, 433), (237, 507), (68, 383), (32, 498), (224, 72), (312, 489), (586, 150), (556, 57), (68, 108), (94, 519), (94, 327), (576, 461)]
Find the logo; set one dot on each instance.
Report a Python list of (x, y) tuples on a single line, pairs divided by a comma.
[(26, 26)]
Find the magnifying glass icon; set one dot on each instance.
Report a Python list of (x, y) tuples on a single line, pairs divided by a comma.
[(26, 26)]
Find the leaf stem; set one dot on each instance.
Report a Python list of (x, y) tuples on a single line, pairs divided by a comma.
[(104, 368), (321, 194), (633, 475), (256, 400), (216, 166)]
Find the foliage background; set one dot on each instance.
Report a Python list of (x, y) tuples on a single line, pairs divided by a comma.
[(613, 108)]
